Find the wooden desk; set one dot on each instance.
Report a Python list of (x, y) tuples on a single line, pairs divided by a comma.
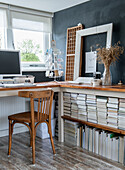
[(8, 96), (4, 92), (58, 85)]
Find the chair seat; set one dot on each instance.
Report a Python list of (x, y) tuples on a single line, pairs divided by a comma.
[(23, 117)]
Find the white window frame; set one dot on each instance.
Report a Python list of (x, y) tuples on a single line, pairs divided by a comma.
[(4, 27), (10, 38)]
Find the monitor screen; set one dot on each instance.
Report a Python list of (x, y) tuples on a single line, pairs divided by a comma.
[(10, 63)]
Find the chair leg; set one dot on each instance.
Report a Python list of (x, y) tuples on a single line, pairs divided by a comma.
[(51, 138), (10, 136), (33, 144), (31, 140)]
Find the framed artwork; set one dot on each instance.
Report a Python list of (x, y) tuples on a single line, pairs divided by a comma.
[(90, 62), (90, 31)]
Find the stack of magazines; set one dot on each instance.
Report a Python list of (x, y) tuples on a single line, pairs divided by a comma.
[(82, 110), (74, 106), (121, 119), (112, 117), (67, 104), (102, 110), (91, 108)]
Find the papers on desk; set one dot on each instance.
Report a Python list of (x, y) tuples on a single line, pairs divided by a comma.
[(73, 82), (42, 84), (17, 85), (82, 80)]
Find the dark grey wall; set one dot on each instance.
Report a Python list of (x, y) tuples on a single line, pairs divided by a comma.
[(39, 76), (94, 13)]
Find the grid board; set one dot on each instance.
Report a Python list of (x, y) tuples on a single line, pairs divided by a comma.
[(70, 58), (70, 67)]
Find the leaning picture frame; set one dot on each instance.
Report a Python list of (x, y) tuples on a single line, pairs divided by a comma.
[(107, 28)]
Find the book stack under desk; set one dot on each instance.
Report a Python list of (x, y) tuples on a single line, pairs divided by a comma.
[(91, 108), (74, 106), (121, 118), (67, 104), (102, 110), (70, 132), (82, 109), (112, 114)]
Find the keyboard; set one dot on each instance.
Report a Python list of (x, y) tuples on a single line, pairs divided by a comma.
[(17, 85)]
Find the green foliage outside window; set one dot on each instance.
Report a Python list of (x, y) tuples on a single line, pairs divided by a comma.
[(29, 50)]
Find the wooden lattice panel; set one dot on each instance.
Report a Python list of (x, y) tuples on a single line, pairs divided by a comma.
[(70, 67), (70, 58)]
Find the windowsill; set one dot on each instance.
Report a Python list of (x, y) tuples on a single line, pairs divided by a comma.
[(33, 69)]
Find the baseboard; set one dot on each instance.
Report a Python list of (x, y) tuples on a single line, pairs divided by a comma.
[(16, 130)]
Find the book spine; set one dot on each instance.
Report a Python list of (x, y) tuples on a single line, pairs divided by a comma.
[(78, 136)]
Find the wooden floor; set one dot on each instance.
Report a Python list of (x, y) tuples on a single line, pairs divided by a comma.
[(66, 158)]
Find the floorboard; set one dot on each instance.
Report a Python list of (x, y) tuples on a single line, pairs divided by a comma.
[(67, 157)]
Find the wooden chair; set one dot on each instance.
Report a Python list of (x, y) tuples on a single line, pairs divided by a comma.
[(30, 118)]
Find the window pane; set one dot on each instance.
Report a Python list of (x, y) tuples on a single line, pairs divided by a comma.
[(32, 44), (3, 27), (3, 39)]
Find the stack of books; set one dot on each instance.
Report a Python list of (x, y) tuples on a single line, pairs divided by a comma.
[(112, 115), (91, 108), (81, 102), (121, 119), (70, 132), (74, 106), (102, 110), (67, 104)]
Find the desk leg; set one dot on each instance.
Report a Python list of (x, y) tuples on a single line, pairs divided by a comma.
[(60, 120)]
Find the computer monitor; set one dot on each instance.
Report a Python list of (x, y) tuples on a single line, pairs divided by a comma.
[(10, 64)]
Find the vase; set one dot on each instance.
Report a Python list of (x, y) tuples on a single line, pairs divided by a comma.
[(107, 78)]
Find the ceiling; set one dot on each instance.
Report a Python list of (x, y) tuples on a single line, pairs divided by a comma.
[(45, 5)]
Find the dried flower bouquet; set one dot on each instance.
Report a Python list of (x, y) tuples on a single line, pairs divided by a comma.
[(108, 56)]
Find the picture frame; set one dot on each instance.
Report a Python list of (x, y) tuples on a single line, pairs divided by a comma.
[(90, 62), (107, 28)]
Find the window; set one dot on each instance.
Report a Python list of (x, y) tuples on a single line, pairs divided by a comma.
[(32, 36), (3, 29), (31, 44), (26, 30)]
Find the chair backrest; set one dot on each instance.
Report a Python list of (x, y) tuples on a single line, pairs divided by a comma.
[(45, 99)]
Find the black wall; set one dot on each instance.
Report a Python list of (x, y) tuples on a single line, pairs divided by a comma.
[(94, 13), (39, 76)]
